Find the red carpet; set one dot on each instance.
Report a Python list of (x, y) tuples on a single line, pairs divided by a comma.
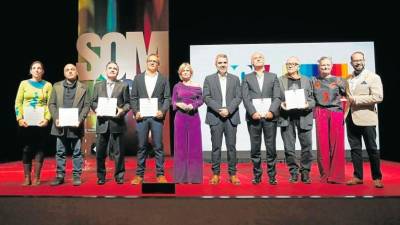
[(11, 178)]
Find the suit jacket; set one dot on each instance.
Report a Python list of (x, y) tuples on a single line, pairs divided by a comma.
[(367, 93), (306, 116), (161, 91), (81, 101), (251, 90), (213, 98), (121, 92)]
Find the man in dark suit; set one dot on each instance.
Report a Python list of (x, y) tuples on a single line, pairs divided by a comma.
[(109, 129), (300, 119), (150, 84), (264, 87), (69, 93), (222, 95)]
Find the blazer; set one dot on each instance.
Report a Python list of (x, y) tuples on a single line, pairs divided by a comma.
[(251, 90), (161, 92), (81, 101), (367, 93), (306, 116), (121, 92), (213, 98)]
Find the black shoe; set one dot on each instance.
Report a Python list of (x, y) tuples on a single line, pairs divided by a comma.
[(293, 178), (256, 180), (101, 181), (57, 181), (76, 181), (305, 178), (119, 180), (272, 181)]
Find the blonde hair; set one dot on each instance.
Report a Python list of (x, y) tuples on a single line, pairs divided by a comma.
[(182, 67)]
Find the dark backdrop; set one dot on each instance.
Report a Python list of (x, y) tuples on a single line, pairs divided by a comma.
[(42, 31)]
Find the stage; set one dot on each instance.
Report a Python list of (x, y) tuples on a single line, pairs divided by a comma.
[(11, 178)]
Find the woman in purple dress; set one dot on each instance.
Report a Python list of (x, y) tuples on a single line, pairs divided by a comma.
[(188, 152)]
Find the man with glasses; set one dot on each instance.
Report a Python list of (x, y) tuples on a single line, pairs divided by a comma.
[(365, 93), (300, 119), (150, 85)]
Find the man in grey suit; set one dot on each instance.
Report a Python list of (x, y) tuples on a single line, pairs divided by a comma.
[(109, 129), (222, 95), (69, 93), (150, 84), (300, 119), (263, 87)]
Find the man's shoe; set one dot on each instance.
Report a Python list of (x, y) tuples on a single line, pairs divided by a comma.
[(272, 181), (137, 180), (234, 180), (305, 178), (119, 180), (76, 181), (293, 178), (101, 181), (57, 181), (161, 179), (256, 180), (215, 179), (378, 183), (354, 181)]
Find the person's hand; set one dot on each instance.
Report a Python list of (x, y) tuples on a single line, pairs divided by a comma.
[(43, 123), (306, 105), (189, 107), (223, 112), (22, 123), (283, 106), (269, 115), (138, 116), (181, 105), (120, 112), (159, 114), (57, 123), (256, 116)]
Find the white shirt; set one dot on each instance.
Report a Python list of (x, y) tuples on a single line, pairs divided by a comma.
[(150, 82), (355, 80), (260, 80), (110, 87), (222, 82)]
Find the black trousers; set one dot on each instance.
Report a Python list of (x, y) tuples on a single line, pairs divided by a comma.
[(113, 141), (368, 133)]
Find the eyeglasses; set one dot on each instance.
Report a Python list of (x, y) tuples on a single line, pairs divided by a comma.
[(150, 61), (292, 64)]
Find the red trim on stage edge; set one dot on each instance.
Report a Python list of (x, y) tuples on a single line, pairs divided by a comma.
[(11, 178)]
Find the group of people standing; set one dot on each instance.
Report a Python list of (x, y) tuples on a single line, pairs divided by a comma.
[(325, 100)]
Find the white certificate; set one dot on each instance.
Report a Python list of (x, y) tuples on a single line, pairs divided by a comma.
[(33, 116), (106, 107), (295, 99), (68, 117), (262, 105), (148, 106)]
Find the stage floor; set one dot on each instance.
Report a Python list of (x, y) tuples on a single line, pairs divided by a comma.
[(11, 178)]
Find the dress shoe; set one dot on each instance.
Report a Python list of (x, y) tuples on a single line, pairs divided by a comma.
[(234, 180), (161, 179), (57, 181), (378, 183), (76, 181), (305, 178), (101, 181), (273, 181), (119, 180), (354, 181), (137, 180), (256, 180), (215, 179), (293, 178)]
